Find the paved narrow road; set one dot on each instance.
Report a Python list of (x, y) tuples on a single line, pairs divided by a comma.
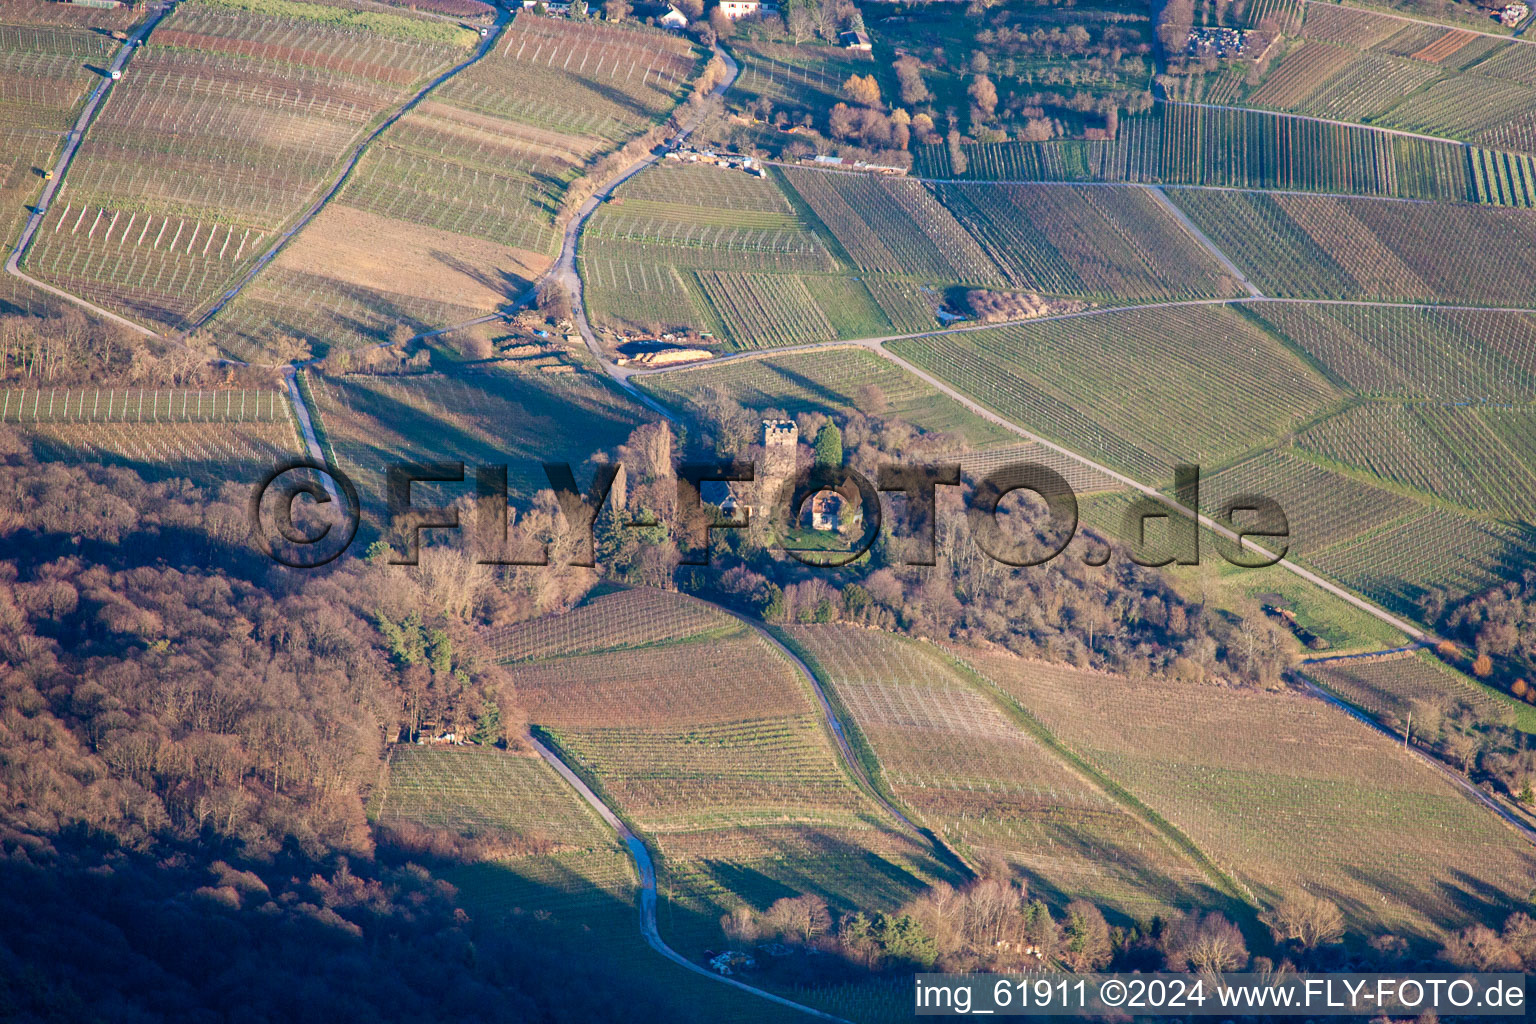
[(61, 168), (565, 270), (487, 42), (646, 870)]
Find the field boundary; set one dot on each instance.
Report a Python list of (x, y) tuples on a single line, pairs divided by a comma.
[(1157, 193)]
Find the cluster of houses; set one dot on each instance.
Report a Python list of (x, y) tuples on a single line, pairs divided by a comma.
[(1514, 14), (694, 156)]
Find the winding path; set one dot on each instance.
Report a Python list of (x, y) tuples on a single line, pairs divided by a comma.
[(72, 142), (646, 870), (487, 42), (565, 270)]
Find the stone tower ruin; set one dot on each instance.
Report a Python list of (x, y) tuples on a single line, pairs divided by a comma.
[(781, 441)]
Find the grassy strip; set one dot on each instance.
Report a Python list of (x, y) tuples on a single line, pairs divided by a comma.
[(302, 379)]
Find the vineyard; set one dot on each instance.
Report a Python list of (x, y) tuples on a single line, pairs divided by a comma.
[(1398, 564), (576, 881), (613, 622), (1356, 65), (763, 310), (208, 437), (1392, 687), (713, 747), (452, 213), (44, 53), (210, 454), (488, 418), (1504, 179), (893, 226), (1435, 355), (1119, 243), (1337, 248), (1482, 459), (1181, 144), (1220, 387), (224, 127), (1287, 793), (485, 792), (830, 381), (1322, 508), (966, 770), (142, 405)]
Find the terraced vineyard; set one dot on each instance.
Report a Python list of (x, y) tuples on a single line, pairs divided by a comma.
[(488, 418), (1322, 247), (972, 774), (1222, 386), (224, 127), (1287, 793), (452, 213), (45, 50), (1394, 686), (829, 381), (713, 747)]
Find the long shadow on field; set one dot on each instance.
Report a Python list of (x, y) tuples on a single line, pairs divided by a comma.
[(508, 286)]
